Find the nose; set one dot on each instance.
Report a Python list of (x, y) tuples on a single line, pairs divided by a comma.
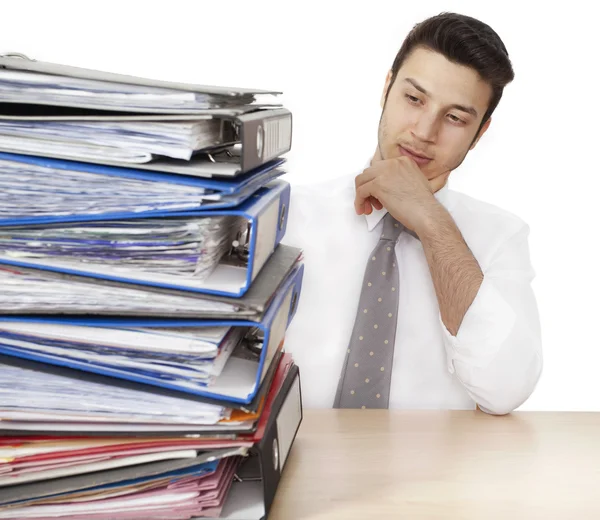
[(426, 127)]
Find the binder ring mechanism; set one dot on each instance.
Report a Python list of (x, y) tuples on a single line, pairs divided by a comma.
[(237, 478), (16, 55), (211, 155), (240, 247)]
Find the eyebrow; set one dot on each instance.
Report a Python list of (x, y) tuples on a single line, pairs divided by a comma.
[(463, 108)]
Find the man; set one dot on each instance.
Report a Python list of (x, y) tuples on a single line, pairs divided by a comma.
[(416, 296)]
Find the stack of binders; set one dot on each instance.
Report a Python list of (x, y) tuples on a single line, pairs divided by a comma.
[(145, 297)]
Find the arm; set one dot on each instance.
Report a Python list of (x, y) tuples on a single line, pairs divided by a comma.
[(489, 319), (488, 313), (454, 270)]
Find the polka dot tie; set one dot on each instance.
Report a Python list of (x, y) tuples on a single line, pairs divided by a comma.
[(367, 370)]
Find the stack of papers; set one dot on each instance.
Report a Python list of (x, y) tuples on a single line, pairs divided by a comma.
[(141, 367), (23, 290), (130, 142), (49, 89), (35, 190), (40, 291), (177, 247), (186, 357), (33, 399), (42, 460), (77, 114), (196, 486), (137, 474)]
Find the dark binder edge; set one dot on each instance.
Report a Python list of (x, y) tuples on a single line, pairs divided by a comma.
[(264, 137), (265, 462), (272, 462)]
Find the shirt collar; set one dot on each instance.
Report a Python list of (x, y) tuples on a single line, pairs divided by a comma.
[(375, 217)]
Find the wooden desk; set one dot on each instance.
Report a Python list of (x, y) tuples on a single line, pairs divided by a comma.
[(373, 464)]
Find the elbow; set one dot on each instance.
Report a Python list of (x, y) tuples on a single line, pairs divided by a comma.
[(500, 406), (500, 388)]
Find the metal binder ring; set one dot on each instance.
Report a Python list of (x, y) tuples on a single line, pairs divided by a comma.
[(282, 217), (260, 141), (15, 55), (275, 455)]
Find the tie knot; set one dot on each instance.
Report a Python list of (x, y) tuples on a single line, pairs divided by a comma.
[(391, 228)]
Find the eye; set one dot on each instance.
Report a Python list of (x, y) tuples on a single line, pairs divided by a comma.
[(412, 99), (456, 119)]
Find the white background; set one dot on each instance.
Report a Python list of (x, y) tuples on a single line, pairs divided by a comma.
[(538, 159)]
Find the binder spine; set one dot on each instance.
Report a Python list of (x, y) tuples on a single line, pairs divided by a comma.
[(275, 446), (277, 321), (264, 137), (268, 230)]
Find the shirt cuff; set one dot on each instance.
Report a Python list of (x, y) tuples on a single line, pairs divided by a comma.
[(486, 325)]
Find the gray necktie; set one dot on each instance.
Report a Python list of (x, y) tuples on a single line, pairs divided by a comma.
[(367, 370)]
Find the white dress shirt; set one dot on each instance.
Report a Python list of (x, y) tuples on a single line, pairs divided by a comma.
[(494, 361)]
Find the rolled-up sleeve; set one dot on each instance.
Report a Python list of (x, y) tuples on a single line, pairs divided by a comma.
[(497, 352)]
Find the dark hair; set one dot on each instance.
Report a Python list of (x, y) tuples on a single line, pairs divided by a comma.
[(466, 41)]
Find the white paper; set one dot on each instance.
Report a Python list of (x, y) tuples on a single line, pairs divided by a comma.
[(40, 88), (100, 466), (24, 290), (177, 355), (29, 190), (131, 142), (145, 503), (124, 428), (197, 340), (46, 397), (224, 278), (171, 251)]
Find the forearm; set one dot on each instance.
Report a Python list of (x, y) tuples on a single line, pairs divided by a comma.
[(497, 356), (455, 273)]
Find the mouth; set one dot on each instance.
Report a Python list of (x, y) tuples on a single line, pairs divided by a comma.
[(419, 158)]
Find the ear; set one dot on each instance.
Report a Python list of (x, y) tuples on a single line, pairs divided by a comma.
[(481, 132), (388, 79)]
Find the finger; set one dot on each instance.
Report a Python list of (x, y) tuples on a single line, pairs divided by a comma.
[(375, 203), (363, 194), (372, 203), (366, 208), (360, 206), (365, 200), (366, 176)]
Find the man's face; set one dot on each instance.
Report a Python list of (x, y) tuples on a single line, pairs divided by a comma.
[(433, 109)]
